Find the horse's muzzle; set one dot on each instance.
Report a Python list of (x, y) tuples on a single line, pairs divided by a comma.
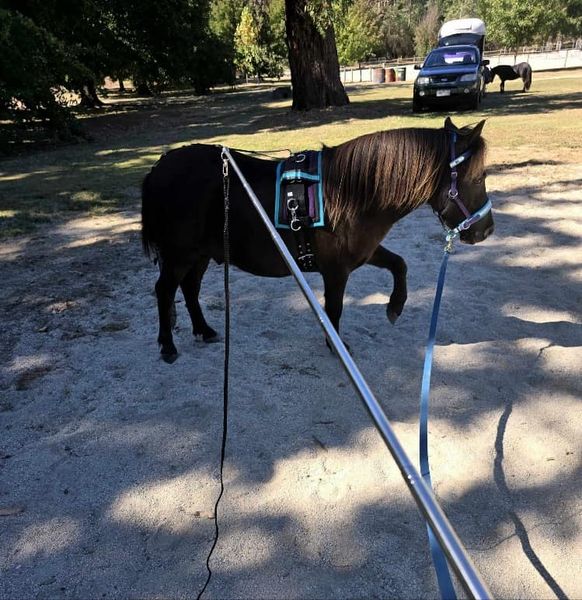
[(474, 237)]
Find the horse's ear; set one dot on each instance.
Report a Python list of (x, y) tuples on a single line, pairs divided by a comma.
[(476, 132), (449, 126)]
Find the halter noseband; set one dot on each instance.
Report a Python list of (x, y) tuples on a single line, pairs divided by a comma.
[(453, 195)]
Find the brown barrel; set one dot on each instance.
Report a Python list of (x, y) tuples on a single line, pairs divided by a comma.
[(378, 75), (390, 75)]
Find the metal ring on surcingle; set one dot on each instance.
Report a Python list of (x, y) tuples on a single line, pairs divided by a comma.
[(295, 225)]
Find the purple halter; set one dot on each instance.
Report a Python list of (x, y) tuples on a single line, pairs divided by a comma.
[(455, 161), (453, 194)]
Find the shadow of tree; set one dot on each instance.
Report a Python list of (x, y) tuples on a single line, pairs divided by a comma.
[(530, 102), (130, 136)]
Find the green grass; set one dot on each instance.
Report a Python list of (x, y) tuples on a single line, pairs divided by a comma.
[(129, 136)]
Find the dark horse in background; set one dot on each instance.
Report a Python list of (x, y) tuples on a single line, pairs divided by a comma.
[(508, 73), (369, 183)]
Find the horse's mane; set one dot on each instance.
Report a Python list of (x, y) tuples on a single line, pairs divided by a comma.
[(399, 169)]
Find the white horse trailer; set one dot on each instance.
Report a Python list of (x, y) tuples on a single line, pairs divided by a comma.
[(463, 31)]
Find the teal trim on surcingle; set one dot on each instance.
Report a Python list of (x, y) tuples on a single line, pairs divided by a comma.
[(278, 194), (320, 222), (313, 182), (298, 176)]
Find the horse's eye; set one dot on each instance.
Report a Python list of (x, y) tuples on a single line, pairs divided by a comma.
[(481, 179)]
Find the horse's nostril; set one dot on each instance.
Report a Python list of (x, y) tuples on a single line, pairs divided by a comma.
[(479, 236)]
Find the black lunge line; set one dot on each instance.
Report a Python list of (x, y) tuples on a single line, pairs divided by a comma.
[(226, 244)]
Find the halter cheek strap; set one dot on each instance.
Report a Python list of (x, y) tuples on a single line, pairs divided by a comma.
[(470, 219), (453, 191)]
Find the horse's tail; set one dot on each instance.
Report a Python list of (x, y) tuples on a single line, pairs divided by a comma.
[(528, 78), (147, 217)]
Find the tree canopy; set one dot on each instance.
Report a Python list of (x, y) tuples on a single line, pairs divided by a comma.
[(393, 28), (514, 24), (36, 70), (52, 45), (259, 46), (49, 48)]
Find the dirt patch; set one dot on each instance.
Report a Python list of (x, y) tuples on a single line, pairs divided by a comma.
[(114, 453)]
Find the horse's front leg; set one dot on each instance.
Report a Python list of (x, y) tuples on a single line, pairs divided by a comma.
[(385, 259), (502, 86), (334, 284)]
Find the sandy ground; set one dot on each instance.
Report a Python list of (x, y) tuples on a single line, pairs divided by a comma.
[(109, 457)]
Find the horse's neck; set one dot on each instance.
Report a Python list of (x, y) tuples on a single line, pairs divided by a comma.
[(392, 208)]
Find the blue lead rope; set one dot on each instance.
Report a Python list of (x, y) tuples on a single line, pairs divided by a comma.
[(438, 558)]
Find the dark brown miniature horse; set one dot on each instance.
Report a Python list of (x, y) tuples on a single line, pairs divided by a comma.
[(508, 73), (369, 183)]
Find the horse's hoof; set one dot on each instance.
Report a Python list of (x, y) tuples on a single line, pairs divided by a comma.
[(394, 310), (329, 346), (392, 316), (331, 349), (210, 336), (169, 353), (169, 357)]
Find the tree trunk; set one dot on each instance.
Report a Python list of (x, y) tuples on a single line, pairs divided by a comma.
[(89, 97), (142, 88), (313, 60)]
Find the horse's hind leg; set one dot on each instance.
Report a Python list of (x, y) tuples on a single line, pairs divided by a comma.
[(502, 86), (166, 287), (173, 314), (385, 259), (190, 286), (334, 283)]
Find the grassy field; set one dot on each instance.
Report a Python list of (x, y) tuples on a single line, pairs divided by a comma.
[(129, 135)]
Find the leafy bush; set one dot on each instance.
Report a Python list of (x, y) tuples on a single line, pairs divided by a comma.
[(35, 72)]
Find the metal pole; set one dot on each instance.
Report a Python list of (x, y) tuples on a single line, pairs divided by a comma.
[(431, 511)]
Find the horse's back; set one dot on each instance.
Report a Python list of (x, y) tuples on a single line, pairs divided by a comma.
[(505, 72), (183, 209), (181, 196), (184, 172)]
